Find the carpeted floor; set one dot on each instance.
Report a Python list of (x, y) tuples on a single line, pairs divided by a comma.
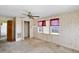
[(32, 46)]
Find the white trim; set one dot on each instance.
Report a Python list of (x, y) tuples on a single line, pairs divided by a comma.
[(55, 33)]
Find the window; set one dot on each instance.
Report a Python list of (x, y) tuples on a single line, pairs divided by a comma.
[(40, 25), (54, 26)]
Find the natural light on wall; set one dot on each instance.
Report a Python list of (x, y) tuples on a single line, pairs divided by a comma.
[(4, 29)]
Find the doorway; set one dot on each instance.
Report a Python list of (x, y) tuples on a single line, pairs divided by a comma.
[(26, 29)]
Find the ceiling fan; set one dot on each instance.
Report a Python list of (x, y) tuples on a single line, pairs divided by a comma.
[(29, 14)]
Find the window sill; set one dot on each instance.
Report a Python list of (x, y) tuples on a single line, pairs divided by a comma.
[(55, 33)]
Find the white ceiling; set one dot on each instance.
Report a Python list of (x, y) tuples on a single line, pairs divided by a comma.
[(40, 10)]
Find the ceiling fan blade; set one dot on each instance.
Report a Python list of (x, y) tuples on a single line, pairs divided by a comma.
[(35, 16), (29, 14)]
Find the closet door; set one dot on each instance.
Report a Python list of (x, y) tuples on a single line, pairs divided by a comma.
[(10, 31)]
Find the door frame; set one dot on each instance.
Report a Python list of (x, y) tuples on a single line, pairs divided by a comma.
[(28, 29)]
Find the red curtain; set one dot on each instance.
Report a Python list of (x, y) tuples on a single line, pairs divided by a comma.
[(54, 22), (42, 23)]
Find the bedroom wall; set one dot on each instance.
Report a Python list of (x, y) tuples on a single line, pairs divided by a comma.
[(68, 31), (18, 29)]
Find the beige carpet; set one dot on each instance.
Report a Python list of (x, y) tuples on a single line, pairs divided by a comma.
[(32, 46)]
